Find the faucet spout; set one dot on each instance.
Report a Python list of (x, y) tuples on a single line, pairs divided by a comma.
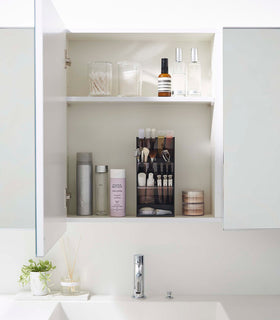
[(138, 290)]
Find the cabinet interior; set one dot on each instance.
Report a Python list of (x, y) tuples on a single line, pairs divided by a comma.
[(108, 129)]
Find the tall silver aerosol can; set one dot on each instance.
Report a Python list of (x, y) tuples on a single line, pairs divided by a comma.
[(84, 181)]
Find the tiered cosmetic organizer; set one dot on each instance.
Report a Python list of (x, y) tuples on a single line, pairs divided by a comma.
[(157, 200)]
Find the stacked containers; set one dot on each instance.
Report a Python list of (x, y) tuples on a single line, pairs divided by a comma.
[(193, 203)]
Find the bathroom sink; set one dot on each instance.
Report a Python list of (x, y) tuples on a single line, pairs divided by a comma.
[(6, 304), (112, 308), (145, 309), (26, 310)]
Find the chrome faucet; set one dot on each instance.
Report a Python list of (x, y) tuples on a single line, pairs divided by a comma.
[(138, 290)]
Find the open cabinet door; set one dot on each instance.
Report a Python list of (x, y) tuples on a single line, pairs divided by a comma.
[(251, 128), (50, 75)]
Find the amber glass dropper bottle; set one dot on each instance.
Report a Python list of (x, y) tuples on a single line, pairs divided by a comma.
[(164, 80)]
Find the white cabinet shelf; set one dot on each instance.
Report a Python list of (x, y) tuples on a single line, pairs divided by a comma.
[(89, 99), (132, 219)]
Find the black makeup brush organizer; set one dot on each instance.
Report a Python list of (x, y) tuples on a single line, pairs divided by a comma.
[(156, 182)]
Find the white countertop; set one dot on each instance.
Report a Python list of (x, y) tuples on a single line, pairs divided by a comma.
[(251, 307), (237, 307)]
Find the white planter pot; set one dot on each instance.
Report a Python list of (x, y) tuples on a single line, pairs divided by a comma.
[(38, 287)]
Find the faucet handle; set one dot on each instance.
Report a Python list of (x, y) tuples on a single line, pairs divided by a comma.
[(138, 259), (169, 295)]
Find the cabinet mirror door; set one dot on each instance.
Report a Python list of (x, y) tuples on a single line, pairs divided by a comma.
[(17, 170), (251, 128)]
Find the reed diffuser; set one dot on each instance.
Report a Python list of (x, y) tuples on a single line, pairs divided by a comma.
[(70, 285)]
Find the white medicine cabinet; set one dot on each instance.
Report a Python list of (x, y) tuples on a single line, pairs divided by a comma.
[(68, 120)]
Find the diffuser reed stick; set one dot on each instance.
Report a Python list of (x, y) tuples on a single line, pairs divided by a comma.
[(67, 257), (75, 259), (70, 285)]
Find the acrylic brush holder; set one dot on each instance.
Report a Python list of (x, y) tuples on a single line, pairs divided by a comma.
[(155, 176)]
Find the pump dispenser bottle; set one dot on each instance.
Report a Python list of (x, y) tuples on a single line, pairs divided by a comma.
[(164, 80)]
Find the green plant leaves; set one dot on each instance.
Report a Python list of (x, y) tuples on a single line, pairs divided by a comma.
[(40, 266)]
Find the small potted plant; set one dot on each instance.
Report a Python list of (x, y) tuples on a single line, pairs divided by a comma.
[(38, 275)]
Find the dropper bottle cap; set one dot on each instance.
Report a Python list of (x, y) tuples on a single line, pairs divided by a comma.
[(178, 55), (164, 65), (194, 55)]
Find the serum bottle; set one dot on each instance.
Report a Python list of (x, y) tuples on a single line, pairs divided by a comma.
[(194, 74), (164, 80), (179, 75)]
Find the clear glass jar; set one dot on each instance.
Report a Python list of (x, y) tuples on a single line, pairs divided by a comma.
[(70, 287), (129, 79), (100, 78), (101, 190)]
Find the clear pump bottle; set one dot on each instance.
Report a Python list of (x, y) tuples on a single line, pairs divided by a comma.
[(194, 74), (101, 190), (179, 74)]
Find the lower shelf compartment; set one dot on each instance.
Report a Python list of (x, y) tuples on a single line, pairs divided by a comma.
[(134, 219)]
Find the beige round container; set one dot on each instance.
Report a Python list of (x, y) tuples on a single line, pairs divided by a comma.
[(193, 209), (193, 196), (193, 203)]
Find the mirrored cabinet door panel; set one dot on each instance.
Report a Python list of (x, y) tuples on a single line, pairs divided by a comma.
[(17, 161), (251, 128)]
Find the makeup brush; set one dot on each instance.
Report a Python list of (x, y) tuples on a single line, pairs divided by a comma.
[(146, 152), (153, 138), (137, 154), (153, 154)]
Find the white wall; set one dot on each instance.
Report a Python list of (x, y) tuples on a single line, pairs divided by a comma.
[(194, 258), (16, 13), (16, 247), (187, 258)]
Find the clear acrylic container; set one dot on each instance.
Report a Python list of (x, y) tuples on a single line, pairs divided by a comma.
[(129, 79), (100, 78)]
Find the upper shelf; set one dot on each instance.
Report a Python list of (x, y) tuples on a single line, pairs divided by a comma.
[(146, 49), (89, 99)]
